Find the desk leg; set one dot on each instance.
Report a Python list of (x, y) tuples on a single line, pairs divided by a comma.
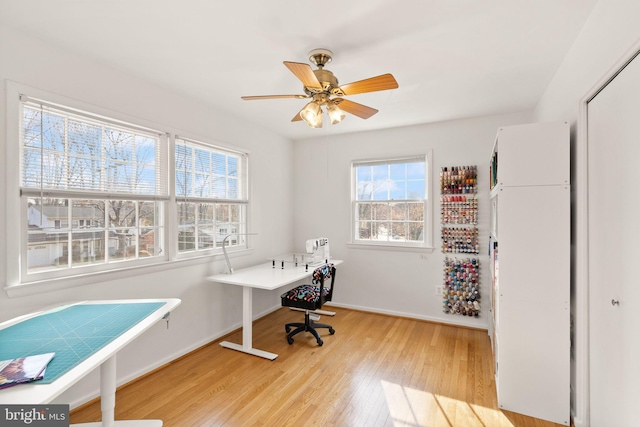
[(247, 328), (108, 401)]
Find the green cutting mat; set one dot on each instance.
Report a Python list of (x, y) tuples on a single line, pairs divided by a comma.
[(73, 333)]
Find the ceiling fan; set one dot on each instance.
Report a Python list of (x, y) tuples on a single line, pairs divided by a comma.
[(322, 87)]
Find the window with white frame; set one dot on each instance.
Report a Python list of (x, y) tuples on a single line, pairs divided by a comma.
[(211, 196), (92, 190), (390, 203)]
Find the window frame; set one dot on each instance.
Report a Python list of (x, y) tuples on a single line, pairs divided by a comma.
[(242, 201), (427, 244), (16, 211)]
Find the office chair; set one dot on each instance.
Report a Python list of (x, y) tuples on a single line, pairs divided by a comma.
[(309, 298)]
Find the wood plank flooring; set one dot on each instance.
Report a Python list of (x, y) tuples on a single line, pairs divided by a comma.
[(376, 370)]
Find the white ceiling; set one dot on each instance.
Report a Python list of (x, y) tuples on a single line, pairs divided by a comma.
[(451, 58)]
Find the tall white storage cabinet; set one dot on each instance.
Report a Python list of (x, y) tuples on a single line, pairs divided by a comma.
[(530, 244)]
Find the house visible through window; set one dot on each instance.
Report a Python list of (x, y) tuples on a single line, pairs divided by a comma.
[(94, 191), (211, 196), (389, 202)]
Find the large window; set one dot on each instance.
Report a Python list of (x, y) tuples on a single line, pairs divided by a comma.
[(211, 196), (98, 194), (93, 191), (389, 202)]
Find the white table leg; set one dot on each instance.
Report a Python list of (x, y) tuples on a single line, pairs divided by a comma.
[(247, 328), (108, 401)]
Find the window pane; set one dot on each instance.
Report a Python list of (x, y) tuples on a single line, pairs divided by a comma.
[(201, 185), (183, 184), (398, 231), (415, 190), (206, 214), (380, 230), (398, 211), (415, 231), (203, 161), (364, 173), (397, 190), (118, 145), (380, 173), (416, 170), (381, 211), (398, 172), (381, 190), (48, 235), (87, 248), (219, 187), (183, 157), (363, 211), (88, 214), (363, 230), (222, 214), (364, 190), (232, 166), (415, 212), (234, 213), (219, 164), (233, 188), (85, 139), (150, 241)]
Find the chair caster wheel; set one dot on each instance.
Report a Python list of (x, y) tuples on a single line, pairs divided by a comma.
[(332, 331), (320, 342), (290, 340)]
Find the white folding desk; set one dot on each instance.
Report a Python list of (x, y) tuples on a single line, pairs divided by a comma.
[(262, 276), (105, 358)]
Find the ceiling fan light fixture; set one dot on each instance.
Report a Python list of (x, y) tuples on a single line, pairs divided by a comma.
[(335, 114), (312, 114)]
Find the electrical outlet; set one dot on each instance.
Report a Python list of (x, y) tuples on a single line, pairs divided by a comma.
[(438, 290)]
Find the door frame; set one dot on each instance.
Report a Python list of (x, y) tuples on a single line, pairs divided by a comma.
[(581, 390)]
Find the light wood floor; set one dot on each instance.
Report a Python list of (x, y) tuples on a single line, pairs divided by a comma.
[(376, 370)]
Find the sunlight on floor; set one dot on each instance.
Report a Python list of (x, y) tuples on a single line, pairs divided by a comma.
[(416, 408)]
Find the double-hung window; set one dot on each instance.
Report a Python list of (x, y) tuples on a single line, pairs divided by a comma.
[(211, 196), (390, 202), (92, 190)]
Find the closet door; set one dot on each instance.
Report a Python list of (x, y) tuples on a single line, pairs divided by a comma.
[(614, 250)]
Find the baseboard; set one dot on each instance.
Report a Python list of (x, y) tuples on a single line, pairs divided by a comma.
[(453, 322)]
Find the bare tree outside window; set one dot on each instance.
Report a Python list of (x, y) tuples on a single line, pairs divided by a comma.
[(389, 203), (75, 156)]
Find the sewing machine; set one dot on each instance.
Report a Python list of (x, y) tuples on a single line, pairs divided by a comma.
[(317, 250)]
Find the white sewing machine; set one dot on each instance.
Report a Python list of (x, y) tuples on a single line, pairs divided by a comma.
[(318, 250)]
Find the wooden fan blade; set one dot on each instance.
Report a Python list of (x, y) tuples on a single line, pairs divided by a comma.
[(304, 73), (374, 84), (252, 98), (354, 108), (297, 117)]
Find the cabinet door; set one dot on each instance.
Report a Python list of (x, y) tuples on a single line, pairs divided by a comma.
[(614, 250), (533, 300)]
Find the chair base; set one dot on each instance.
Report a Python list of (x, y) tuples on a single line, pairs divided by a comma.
[(308, 326)]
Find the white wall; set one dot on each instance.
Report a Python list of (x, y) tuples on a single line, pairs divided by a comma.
[(611, 30), (401, 283), (207, 310)]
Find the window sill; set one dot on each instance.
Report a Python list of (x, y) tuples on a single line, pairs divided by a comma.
[(394, 248), (49, 285)]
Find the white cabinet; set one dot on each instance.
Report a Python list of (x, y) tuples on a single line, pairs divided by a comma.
[(530, 264)]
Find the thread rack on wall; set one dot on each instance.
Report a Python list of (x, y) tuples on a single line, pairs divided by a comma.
[(459, 206), (459, 234), (461, 292)]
